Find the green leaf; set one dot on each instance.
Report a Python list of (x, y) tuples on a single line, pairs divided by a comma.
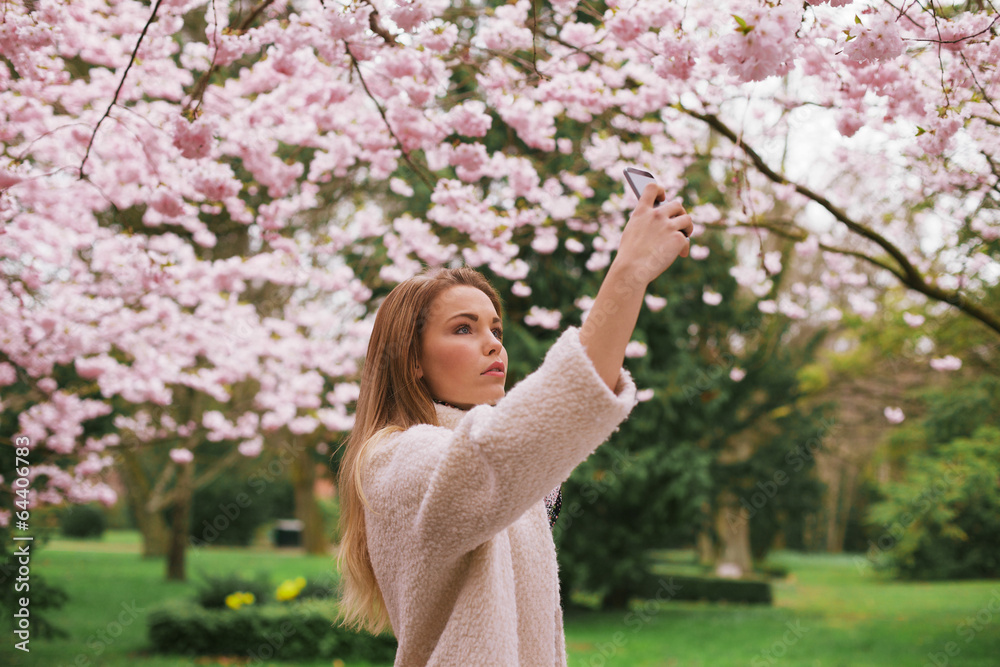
[(920, 131), (857, 19)]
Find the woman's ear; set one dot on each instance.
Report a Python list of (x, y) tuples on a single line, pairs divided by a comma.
[(420, 371)]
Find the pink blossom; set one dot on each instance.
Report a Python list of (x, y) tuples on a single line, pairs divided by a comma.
[(878, 41), (913, 320), (699, 252), (711, 297), (763, 44), (894, 415), (8, 178), (808, 248), (194, 139), (737, 374), (861, 305), (627, 26), (303, 425), (948, 363), (440, 39), (635, 349), (520, 289), (181, 455), (643, 395), (251, 448), (655, 303), (772, 262), (542, 317)]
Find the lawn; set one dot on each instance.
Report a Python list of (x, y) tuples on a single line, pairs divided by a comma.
[(827, 613)]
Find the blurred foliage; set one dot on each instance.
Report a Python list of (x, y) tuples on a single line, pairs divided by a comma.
[(940, 517), (234, 507), (82, 521), (942, 520)]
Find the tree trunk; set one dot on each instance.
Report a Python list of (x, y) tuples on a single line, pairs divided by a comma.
[(733, 529), (180, 525), (306, 508), (152, 526), (833, 504), (706, 545)]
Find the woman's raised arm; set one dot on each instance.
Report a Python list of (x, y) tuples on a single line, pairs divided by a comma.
[(653, 238)]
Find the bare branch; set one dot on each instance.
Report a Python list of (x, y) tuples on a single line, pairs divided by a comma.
[(202, 85), (121, 84), (406, 156), (796, 234)]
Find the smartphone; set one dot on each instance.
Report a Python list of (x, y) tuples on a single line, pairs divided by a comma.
[(638, 179)]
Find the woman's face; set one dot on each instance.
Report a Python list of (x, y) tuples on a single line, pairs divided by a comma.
[(461, 347)]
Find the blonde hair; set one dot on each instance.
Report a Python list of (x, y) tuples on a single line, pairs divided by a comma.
[(392, 398)]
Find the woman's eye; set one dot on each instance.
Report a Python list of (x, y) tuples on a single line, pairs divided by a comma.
[(498, 333), (463, 329)]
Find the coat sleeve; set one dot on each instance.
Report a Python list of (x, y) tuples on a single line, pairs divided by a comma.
[(474, 481)]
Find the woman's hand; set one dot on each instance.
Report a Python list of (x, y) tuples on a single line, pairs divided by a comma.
[(653, 238)]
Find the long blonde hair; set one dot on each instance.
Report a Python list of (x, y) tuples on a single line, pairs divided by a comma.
[(392, 398)]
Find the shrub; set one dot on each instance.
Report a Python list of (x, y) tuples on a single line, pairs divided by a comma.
[(212, 591), (942, 520), (304, 630), (231, 509), (708, 589), (82, 521)]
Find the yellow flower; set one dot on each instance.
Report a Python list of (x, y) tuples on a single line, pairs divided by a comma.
[(238, 599), (290, 588)]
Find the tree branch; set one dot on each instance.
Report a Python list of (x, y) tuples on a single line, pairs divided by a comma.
[(121, 84), (202, 85), (798, 235), (406, 156), (907, 273)]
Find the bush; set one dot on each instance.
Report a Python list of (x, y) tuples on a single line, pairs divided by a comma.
[(304, 630), (213, 590), (82, 521), (708, 589), (231, 509), (942, 520)]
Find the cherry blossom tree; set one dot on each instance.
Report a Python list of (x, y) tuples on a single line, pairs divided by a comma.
[(201, 200)]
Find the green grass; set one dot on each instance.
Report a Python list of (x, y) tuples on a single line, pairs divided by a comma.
[(826, 614)]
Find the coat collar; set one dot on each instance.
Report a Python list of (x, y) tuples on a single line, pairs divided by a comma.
[(448, 416)]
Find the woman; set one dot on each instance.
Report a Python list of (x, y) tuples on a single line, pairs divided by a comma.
[(444, 532)]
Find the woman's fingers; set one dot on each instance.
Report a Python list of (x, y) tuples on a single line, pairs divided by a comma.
[(651, 194)]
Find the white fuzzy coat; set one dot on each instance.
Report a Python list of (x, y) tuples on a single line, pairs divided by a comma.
[(457, 531)]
